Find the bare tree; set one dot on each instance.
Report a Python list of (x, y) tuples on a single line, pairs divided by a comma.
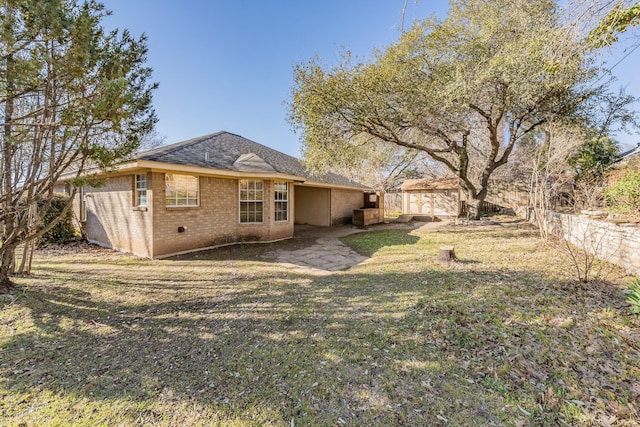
[(550, 180), (582, 243), (152, 140)]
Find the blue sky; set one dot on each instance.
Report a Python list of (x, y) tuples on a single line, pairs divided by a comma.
[(227, 65)]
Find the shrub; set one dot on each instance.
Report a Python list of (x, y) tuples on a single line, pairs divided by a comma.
[(633, 296), (623, 196), (64, 231)]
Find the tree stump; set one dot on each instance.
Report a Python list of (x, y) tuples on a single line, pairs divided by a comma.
[(446, 254)]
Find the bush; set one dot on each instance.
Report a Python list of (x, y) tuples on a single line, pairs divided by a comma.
[(633, 296), (623, 196), (64, 231)]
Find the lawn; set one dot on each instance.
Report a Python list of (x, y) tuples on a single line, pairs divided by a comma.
[(505, 336)]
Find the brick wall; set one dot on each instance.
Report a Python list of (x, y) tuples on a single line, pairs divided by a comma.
[(216, 221), (313, 206), (112, 220), (343, 202)]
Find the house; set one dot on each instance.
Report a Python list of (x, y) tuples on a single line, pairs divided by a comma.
[(210, 191), (435, 198), (630, 157), (629, 161)]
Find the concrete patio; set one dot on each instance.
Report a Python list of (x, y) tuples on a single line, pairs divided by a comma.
[(328, 254)]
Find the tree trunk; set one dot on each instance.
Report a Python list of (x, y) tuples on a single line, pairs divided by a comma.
[(6, 268), (473, 208), (473, 198), (6, 285), (25, 259), (446, 254), (8, 209)]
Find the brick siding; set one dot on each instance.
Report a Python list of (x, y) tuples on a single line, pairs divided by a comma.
[(343, 202), (114, 222)]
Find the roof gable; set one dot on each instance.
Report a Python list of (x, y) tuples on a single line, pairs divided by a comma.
[(252, 163)]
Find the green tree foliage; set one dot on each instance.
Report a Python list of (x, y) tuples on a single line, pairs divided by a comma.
[(594, 157), (465, 90), (623, 196), (633, 296), (64, 229), (618, 20), (72, 96)]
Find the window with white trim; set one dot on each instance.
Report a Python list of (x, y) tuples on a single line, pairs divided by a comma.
[(181, 190), (140, 195), (281, 196), (251, 201)]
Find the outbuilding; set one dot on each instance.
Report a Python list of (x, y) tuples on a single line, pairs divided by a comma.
[(431, 198)]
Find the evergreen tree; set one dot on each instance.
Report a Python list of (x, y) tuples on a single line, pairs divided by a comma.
[(72, 96)]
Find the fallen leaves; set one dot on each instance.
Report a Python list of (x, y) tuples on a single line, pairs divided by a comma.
[(504, 338)]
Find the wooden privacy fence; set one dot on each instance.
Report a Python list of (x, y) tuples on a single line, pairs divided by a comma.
[(485, 208), (392, 203)]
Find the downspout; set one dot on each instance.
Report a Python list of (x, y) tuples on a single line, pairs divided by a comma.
[(330, 207)]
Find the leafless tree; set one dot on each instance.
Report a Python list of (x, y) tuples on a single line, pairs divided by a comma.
[(152, 140), (550, 179)]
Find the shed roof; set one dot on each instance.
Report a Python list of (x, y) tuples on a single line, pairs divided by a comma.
[(430, 184)]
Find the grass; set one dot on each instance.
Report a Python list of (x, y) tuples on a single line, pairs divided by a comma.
[(505, 336)]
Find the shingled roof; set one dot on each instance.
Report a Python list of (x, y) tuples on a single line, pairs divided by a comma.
[(632, 152), (428, 184), (628, 155), (227, 151)]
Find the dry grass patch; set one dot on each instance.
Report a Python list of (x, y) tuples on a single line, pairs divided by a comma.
[(503, 337)]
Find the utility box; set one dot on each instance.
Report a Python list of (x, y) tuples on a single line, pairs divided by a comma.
[(372, 211)]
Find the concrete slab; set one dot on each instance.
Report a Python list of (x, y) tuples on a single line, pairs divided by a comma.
[(328, 255)]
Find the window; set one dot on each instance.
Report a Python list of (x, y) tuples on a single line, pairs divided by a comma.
[(140, 195), (281, 194), (251, 201), (181, 190)]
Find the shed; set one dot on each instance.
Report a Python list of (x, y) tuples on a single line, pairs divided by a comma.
[(436, 198)]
